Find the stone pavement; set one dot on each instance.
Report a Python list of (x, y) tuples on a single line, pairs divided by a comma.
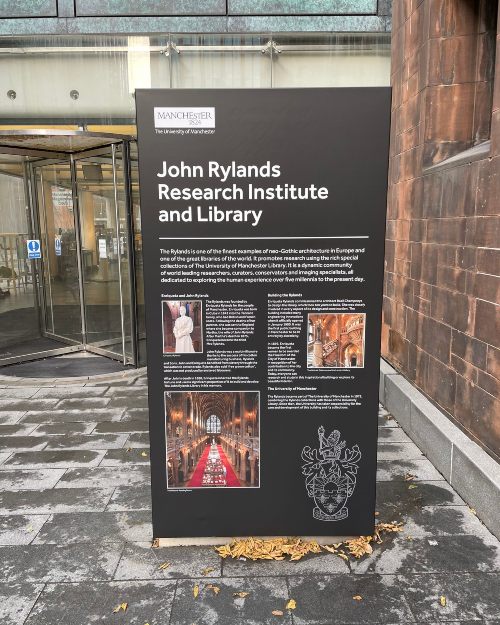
[(75, 532)]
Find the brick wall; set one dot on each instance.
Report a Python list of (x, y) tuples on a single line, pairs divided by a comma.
[(441, 318)]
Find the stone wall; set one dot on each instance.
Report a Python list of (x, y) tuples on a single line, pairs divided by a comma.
[(441, 318), (210, 16)]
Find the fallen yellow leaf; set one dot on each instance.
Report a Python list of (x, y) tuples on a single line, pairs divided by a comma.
[(164, 565), (473, 511), (208, 570), (241, 594), (215, 589), (196, 591), (442, 600), (144, 454), (291, 605), (277, 612), (357, 598), (122, 606), (412, 486)]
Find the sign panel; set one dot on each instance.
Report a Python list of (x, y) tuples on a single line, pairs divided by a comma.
[(263, 240), (34, 249), (103, 251), (57, 246)]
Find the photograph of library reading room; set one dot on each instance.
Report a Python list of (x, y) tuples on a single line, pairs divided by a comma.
[(335, 340), (212, 439), (182, 322)]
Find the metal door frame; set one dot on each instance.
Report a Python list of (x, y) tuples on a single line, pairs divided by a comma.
[(47, 157)]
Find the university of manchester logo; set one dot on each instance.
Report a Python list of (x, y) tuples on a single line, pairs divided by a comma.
[(330, 475), (184, 116)]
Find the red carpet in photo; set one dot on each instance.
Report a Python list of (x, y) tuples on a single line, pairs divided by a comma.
[(197, 476), (231, 479)]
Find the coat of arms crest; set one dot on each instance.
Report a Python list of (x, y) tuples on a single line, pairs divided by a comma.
[(330, 475)]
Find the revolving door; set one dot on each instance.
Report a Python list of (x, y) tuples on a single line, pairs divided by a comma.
[(79, 202)]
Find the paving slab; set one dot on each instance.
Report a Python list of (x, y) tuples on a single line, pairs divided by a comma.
[(126, 391), (443, 520), (132, 425), (55, 459), (29, 479), (87, 441), (54, 500), (79, 527), (392, 435), (67, 392), (139, 562), (323, 564), (20, 529), (67, 416), (430, 555), (17, 429), (387, 420), (468, 596), (265, 595), (62, 429), (399, 498), (86, 603), (22, 443), (138, 400), (398, 451), (193, 562), (138, 440), (16, 602), (130, 498), (421, 468), (106, 477), (141, 414), (11, 416), (129, 455), (83, 403), (59, 563), (34, 404), (328, 600), (4, 455), (20, 392)]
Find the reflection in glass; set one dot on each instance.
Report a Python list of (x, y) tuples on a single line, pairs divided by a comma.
[(60, 285)]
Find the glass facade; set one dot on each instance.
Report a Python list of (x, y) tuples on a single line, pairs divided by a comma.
[(82, 199)]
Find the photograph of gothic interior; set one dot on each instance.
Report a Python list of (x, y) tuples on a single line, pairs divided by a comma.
[(182, 327), (335, 340), (212, 439)]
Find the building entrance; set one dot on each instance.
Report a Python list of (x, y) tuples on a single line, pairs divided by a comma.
[(72, 193)]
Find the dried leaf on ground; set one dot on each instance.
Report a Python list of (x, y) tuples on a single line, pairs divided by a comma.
[(215, 589), (358, 547), (196, 591), (296, 548), (156, 543), (277, 612), (358, 598), (268, 549), (442, 600), (412, 486), (207, 570), (164, 565), (241, 594), (144, 454), (291, 605), (409, 477), (122, 606)]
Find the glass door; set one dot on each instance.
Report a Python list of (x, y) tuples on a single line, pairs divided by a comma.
[(102, 191), (60, 285)]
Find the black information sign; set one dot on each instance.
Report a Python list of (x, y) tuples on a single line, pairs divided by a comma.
[(263, 218)]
